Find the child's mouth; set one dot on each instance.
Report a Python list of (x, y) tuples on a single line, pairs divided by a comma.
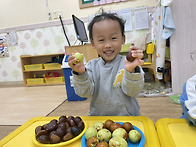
[(108, 52)]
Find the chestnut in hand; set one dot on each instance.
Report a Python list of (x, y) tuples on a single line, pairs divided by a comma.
[(129, 57)]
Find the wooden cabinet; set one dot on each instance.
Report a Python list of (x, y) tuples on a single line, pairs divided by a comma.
[(39, 59), (87, 50)]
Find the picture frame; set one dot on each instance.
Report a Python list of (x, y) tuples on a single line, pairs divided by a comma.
[(92, 3)]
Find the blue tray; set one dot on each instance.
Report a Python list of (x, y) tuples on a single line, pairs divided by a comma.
[(130, 144)]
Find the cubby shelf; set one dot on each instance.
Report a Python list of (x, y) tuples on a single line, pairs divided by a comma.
[(39, 59)]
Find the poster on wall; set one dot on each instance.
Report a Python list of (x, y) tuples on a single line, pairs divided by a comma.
[(141, 18), (3, 47), (91, 3)]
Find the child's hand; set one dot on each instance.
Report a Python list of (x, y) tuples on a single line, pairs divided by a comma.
[(138, 55), (74, 65)]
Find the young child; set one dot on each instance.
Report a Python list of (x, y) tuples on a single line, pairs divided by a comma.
[(188, 100), (111, 81)]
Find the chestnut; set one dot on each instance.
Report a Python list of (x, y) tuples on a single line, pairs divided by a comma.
[(108, 123), (51, 126), (40, 133), (54, 138), (62, 119), (62, 126), (68, 136), (60, 132), (92, 141), (68, 129), (72, 123), (70, 117), (75, 130), (53, 132), (129, 57), (115, 126), (77, 120), (128, 126), (38, 129), (102, 144), (43, 139), (81, 125), (54, 121)]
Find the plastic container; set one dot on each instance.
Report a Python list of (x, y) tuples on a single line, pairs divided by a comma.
[(33, 67), (71, 95), (54, 79), (35, 81), (22, 136), (52, 66), (174, 132)]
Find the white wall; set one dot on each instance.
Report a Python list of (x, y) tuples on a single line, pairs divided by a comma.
[(24, 12), (47, 38)]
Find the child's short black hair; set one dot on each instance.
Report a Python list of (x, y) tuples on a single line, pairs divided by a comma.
[(104, 16)]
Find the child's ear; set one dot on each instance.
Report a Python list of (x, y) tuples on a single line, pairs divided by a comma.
[(123, 39), (92, 43)]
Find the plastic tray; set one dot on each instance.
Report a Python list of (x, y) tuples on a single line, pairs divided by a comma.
[(52, 66), (175, 133), (22, 137), (33, 67), (54, 79), (35, 81)]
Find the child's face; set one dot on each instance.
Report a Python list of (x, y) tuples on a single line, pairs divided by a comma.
[(107, 39)]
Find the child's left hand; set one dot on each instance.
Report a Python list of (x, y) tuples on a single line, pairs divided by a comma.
[(138, 55)]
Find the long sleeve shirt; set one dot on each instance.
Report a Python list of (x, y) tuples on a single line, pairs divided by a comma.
[(111, 87)]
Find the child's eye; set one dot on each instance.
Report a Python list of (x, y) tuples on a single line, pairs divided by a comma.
[(101, 40), (114, 38)]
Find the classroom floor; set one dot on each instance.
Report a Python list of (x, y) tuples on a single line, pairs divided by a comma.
[(152, 107)]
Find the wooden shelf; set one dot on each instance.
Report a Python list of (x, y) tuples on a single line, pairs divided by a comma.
[(55, 69), (45, 84), (39, 59)]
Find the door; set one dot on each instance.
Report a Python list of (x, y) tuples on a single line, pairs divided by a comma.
[(183, 43)]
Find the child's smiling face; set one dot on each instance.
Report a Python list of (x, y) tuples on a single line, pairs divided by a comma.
[(107, 39)]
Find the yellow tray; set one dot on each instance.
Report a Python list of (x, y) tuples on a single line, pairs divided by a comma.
[(175, 133), (52, 66), (22, 137), (33, 67), (35, 81), (54, 79)]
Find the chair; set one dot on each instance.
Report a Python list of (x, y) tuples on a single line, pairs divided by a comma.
[(151, 59)]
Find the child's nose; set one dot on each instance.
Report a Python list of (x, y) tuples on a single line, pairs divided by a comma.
[(108, 45)]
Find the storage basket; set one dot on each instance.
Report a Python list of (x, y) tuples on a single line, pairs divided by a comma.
[(52, 66), (54, 79), (33, 67), (35, 81)]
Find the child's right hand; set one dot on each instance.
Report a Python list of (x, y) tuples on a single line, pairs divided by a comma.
[(74, 65)]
